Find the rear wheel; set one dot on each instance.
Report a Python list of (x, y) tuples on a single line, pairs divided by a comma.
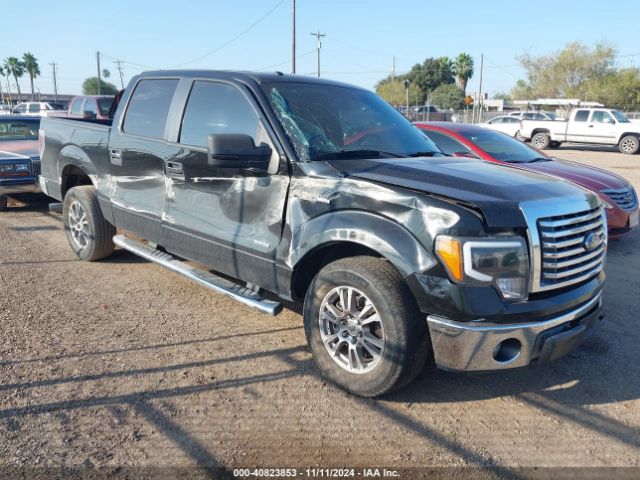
[(364, 327), (629, 144), (541, 140), (3, 202), (89, 234)]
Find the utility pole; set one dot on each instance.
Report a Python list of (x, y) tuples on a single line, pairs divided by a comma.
[(55, 83), (293, 39), (99, 75), (406, 84), (318, 36), (119, 63), (481, 100), (393, 69)]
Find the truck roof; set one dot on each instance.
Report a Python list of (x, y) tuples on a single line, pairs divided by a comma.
[(258, 77)]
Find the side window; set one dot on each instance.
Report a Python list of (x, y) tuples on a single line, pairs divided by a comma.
[(601, 117), (34, 108), (511, 120), (148, 108), (581, 116), (76, 106), (497, 120), (218, 108), (90, 106), (22, 108), (445, 143)]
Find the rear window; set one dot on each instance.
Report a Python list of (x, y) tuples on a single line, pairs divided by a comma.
[(76, 106), (149, 106), (19, 130)]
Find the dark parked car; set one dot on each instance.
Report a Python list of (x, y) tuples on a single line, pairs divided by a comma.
[(322, 193), (618, 195), (19, 158)]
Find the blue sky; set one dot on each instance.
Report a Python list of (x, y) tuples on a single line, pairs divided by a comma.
[(362, 36)]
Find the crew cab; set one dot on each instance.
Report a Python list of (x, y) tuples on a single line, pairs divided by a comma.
[(321, 193), (601, 126), (19, 158)]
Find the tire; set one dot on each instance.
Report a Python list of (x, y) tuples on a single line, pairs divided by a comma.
[(554, 145), (393, 327), (89, 234), (541, 141), (518, 136), (3, 202), (629, 144)]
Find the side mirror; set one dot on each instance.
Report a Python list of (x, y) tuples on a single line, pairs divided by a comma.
[(236, 150), (89, 114)]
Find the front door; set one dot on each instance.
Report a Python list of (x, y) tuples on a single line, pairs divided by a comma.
[(602, 128), (137, 149), (230, 219)]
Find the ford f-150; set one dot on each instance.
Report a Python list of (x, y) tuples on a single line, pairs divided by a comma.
[(321, 193)]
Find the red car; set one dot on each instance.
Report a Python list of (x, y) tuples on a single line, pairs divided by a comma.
[(618, 195)]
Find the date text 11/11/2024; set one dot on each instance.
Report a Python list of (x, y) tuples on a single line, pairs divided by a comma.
[(316, 472)]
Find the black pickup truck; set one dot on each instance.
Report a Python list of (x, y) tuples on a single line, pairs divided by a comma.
[(320, 192)]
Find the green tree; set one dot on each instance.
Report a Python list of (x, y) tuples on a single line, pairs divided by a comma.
[(618, 89), (90, 87), (13, 67), (447, 97), (429, 75), (463, 70), (566, 73), (393, 91), (30, 64)]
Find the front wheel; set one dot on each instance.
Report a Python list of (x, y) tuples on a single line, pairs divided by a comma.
[(89, 234), (629, 145), (541, 140), (364, 327)]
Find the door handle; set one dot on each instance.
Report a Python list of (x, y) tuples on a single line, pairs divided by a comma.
[(590, 126), (175, 168), (115, 156)]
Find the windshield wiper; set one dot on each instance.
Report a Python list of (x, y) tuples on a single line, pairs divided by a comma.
[(348, 154), (423, 154)]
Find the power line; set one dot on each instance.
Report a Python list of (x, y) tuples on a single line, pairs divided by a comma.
[(119, 63), (228, 42), (271, 67)]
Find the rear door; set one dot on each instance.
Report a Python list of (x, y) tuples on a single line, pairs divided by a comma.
[(578, 126), (228, 218), (138, 148)]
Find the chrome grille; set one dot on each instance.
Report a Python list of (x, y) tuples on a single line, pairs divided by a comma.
[(36, 168), (573, 247), (625, 198)]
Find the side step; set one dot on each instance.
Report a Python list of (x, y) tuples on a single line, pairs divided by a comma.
[(55, 207), (244, 295)]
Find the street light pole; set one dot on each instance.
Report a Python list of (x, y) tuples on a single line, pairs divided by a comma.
[(99, 78), (406, 84)]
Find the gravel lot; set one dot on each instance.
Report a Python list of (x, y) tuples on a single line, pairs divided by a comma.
[(122, 366)]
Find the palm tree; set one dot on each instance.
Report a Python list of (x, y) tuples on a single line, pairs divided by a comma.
[(30, 64), (463, 69), (5, 74), (13, 66)]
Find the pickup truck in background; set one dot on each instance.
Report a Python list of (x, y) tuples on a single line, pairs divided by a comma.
[(322, 193), (599, 126)]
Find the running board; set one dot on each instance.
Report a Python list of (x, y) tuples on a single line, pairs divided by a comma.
[(244, 295), (55, 207)]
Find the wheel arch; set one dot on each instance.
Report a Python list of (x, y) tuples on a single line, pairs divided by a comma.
[(352, 233), (627, 134)]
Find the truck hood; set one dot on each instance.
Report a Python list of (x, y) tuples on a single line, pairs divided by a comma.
[(585, 176), (497, 190)]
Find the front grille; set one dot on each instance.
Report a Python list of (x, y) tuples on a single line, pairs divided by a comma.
[(573, 247), (36, 168), (625, 198)]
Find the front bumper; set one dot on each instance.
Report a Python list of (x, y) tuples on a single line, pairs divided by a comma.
[(481, 346), (26, 185)]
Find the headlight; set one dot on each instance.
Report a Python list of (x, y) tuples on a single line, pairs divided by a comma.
[(501, 262), (6, 168), (21, 167)]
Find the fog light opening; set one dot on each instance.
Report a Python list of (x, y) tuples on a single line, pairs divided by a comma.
[(507, 350)]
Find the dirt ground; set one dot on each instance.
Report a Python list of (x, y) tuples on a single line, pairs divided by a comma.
[(126, 368)]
